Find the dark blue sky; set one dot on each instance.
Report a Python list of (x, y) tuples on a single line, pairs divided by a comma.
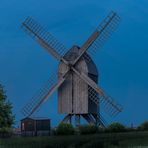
[(122, 62)]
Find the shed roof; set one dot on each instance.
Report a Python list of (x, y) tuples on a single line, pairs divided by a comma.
[(35, 118)]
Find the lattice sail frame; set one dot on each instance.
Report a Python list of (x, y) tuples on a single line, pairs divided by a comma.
[(107, 102), (37, 98), (105, 33), (36, 31)]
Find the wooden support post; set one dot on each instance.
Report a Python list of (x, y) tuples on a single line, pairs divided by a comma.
[(89, 119), (66, 119), (77, 120)]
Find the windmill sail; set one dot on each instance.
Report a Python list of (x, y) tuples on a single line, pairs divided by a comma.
[(103, 121), (100, 35), (42, 95), (105, 29), (110, 105), (44, 38), (100, 120)]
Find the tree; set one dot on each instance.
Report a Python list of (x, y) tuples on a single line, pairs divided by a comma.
[(65, 129), (6, 116), (144, 126)]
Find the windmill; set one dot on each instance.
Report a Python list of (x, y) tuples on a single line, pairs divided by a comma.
[(77, 75)]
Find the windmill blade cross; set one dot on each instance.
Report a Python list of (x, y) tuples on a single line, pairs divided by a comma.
[(70, 59)]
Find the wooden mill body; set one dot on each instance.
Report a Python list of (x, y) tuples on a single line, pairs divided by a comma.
[(74, 94)]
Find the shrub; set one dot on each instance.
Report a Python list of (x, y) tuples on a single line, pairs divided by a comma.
[(65, 129), (53, 131), (144, 126), (116, 127), (88, 129), (5, 132)]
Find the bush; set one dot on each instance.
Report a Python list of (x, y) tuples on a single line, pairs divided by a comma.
[(143, 126), (116, 127), (53, 131), (5, 132), (65, 129), (88, 129)]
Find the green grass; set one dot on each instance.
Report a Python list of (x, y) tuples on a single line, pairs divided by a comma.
[(104, 140)]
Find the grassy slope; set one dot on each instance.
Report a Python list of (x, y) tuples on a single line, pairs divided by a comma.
[(123, 139)]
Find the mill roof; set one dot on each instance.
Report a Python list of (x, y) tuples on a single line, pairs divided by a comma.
[(74, 52), (35, 118)]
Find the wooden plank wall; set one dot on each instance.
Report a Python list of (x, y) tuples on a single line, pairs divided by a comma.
[(73, 97), (80, 90), (65, 92)]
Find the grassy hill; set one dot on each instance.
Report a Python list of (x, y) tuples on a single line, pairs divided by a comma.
[(104, 140)]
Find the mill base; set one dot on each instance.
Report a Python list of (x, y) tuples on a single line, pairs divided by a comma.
[(92, 119)]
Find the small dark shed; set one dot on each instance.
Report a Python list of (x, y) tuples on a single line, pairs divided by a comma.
[(35, 126)]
